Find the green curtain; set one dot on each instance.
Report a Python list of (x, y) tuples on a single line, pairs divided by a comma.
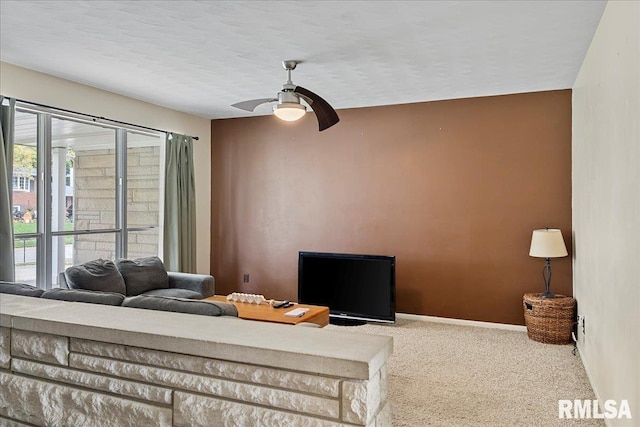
[(179, 205), (7, 261)]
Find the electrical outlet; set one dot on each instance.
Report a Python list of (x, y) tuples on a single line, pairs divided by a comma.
[(581, 323), (245, 278)]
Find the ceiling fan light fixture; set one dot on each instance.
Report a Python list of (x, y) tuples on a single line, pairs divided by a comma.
[(288, 106), (289, 111)]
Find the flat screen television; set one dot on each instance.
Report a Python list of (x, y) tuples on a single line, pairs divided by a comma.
[(356, 288)]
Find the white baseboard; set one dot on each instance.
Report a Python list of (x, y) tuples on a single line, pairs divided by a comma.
[(462, 322), (607, 421)]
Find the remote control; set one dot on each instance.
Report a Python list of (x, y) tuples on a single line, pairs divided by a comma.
[(280, 304), (296, 312)]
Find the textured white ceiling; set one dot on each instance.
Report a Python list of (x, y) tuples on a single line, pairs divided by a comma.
[(202, 56)]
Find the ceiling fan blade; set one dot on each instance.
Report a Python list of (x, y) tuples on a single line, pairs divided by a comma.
[(252, 104), (325, 113)]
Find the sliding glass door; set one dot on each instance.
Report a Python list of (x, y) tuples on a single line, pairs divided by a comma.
[(100, 199)]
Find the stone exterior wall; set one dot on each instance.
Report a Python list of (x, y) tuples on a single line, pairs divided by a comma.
[(143, 199), (51, 380), (94, 202)]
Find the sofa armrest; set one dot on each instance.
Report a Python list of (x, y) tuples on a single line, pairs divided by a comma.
[(201, 283), (62, 281)]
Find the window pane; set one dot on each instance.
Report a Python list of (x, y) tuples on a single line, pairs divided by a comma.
[(25, 173), (83, 170), (26, 257), (144, 154), (62, 256), (25, 196)]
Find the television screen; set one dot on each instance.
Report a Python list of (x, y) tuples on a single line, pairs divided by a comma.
[(352, 286)]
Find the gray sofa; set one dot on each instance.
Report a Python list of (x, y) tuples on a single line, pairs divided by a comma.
[(149, 302), (141, 283), (143, 276)]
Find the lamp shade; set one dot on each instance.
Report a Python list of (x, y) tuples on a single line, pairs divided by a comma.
[(547, 243), (289, 111)]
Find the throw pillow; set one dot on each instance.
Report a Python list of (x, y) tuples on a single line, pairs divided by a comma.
[(143, 274), (19, 289), (97, 275)]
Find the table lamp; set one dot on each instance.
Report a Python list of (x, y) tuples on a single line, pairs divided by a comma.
[(547, 243)]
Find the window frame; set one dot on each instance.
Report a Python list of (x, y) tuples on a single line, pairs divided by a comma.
[(44, 235)]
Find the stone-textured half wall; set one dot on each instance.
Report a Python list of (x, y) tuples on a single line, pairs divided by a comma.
[(50, 379)]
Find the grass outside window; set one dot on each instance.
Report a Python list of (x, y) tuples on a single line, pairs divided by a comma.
[(20, 227)]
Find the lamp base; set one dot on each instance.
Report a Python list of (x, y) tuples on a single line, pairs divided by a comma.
[(547, 294), (546, 274)]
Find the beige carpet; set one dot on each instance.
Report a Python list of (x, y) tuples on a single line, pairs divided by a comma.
[(450, 376)]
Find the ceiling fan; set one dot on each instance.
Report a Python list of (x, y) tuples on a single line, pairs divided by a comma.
[(288, 105)]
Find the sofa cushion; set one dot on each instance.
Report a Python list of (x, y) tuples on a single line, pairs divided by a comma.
[(181, 305), (174, 292), (20, 289), (80, 295), (96, 275), (143, 274)]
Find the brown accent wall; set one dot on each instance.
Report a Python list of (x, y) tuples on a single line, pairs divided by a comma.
[(452, 188)]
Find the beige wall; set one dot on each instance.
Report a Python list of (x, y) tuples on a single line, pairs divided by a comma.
[(45, 89), (606, 206)]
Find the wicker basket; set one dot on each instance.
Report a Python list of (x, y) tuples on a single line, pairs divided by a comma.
[(549, 320)]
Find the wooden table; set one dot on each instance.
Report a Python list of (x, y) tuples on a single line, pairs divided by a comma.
[(265, 313)]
